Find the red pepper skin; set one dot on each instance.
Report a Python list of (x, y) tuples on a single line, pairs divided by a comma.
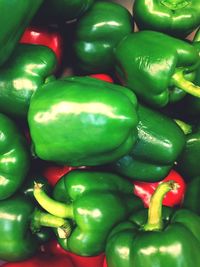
[(103, 77), (78, 261), (144, 190), (44, 36), (43, 261)]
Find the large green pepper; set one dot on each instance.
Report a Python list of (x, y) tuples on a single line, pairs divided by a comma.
[(14, 157), (159, 144), (188, 163), (24, 72), (162, 242), (98, 31), (15, 17), (95, 202), (191, 198), (19, 224), (55, 11), (174, 17), (155, 65), (82, 121)]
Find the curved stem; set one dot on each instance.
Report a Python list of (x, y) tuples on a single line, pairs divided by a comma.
[(185, 127), (40, 219), (179, 81), (54, 207), (155, 222)]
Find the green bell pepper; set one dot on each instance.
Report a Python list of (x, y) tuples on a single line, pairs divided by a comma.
[(19, 224), (82, 121), (14, 157), (191, 199), (174, 17), (156, 149), (188, 162), (162, 242), (22, 75), (56, 11), (15, 17), (95, 202), (152, 64), (97, 32)]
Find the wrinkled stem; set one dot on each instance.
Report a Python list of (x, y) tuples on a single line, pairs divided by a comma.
[(179, 81), (154, 222), (52, 206), (40, 219)]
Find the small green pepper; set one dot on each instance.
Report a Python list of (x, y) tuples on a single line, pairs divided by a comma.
[(155, 65), (95, 202)]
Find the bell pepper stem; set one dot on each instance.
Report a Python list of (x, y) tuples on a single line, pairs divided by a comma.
[(179, 81), (185, 127), (56, 208), (40, 219), (154, 222)]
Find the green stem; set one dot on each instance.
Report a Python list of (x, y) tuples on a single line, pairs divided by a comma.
[(40, 219), (154, 222), (175, 4), (52, 206), (179, 81), (185, 127)]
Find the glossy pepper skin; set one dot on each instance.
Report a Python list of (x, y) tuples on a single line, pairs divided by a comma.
[(155, 65), (171, 240), (25, 71), (188, 163), (15, 157), (56, 11), (20, 222), (95, 202), (82, 121), (46, 36), (98, 31), (173, 198), (15, 17), (159, 144), (173, 17), (191, 199)]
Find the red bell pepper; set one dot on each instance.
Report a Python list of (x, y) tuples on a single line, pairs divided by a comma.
[(43, 260), (103, 77), (144, 190), (79, 261), (54, 172), (44, 36)]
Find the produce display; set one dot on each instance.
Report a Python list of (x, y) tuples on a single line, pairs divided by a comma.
[(100, 133)]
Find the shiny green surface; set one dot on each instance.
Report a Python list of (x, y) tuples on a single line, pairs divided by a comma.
[(15, 17), (191, 199), (62, 10), (177, 17), (14, 157), (147, 61), (177, 244), (159, 144), (188, 163), (98, 31), (24, 72), (95, 202), (82, 121), (17, 242)]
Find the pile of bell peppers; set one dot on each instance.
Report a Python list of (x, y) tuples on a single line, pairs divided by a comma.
[(99, 133)]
